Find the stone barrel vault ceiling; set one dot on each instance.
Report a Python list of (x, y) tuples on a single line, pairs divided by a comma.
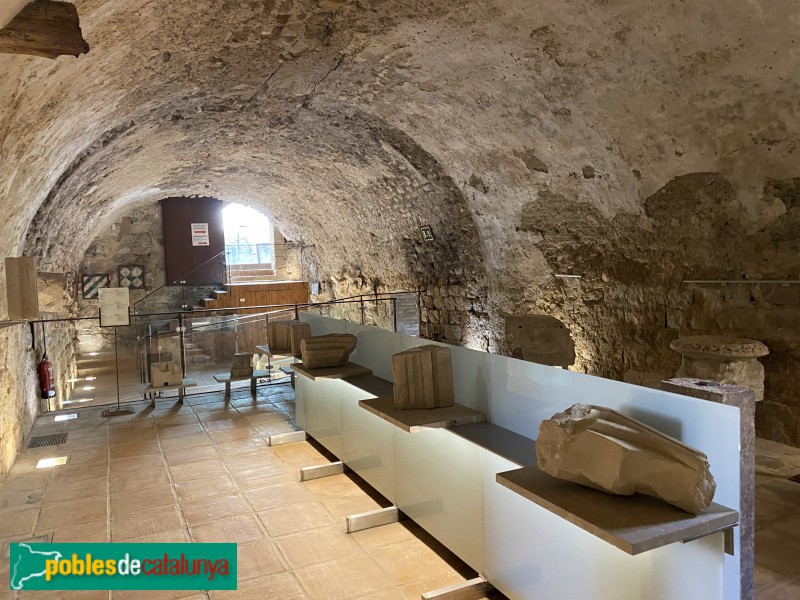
[(534, 136)]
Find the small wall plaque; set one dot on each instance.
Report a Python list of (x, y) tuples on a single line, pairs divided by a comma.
[(90, 284), (131, 276), (427, 233)]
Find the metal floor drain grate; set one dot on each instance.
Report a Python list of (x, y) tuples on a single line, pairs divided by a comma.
[(796, 478), (54, 439)]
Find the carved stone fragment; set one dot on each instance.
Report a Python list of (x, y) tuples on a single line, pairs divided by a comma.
[(603, 449), (725, 359), (287, 335), (165, 373), (324, 351), (423, 378), (241, 365)]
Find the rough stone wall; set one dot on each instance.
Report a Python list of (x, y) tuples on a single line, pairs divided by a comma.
[(633, 299), (135, 239), (19, 397)]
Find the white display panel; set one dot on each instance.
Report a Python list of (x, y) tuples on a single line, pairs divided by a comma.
[(518, 395), (322, 414), (368, 444), (439, 486), (532, 553)]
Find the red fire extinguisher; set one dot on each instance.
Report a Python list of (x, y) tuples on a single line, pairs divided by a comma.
[(46, 384)]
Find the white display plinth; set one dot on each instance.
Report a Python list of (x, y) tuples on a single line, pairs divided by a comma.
[(448, 484)]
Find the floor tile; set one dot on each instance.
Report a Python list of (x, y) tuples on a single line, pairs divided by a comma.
[(198, 470), (292, 518), (145, 522), (314, 546), (135, 449), (282, 586), (402, 562), (230, 435), (141, 499), (343, 578), (276, 495), (242, 447), (184, 442), (71, 513), (193, 454), (93, 531), (202, 488), (238, 529), (210, 509), (17, 523), (173, 431), (67, 491), (375, 537), (119, 483), (257, 559)]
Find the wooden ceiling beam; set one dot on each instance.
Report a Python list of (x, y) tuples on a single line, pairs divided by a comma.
[(44, 28)]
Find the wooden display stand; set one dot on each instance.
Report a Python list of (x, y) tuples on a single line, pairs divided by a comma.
[(227, 379)]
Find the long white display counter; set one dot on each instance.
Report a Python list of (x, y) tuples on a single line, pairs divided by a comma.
[(446, 479)]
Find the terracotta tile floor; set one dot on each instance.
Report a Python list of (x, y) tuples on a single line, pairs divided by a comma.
[(203, 472), (777, 575)]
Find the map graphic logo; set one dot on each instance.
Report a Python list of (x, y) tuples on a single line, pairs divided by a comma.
[(29, 564), (122, 566)]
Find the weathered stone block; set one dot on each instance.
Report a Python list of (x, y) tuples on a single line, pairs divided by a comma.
[(165, 373), (324, 351), (603, 449), (287, 335), (242, 366), (722, 358), (423, 378)]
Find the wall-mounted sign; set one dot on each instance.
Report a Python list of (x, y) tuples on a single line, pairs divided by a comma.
[(114, 303), (200, 234)]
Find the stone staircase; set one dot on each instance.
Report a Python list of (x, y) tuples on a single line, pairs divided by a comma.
[(250, 273)]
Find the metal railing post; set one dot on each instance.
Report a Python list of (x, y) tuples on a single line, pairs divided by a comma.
[(394, 314), (181, 333), (361, 306), (296, 312)]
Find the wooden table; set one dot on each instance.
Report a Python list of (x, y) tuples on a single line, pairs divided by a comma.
[(148, 389), (227, 379)]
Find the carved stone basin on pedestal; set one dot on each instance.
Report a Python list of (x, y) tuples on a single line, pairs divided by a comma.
[(726, 359)]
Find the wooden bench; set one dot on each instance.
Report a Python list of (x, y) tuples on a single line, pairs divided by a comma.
[(227, 379), (147, 389)]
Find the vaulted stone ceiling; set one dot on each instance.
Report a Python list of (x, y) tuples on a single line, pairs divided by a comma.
[(294, 105), (529, 134)]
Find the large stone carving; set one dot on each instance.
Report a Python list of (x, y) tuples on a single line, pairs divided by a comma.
[(331, 350), (287, 335), (724, 359), (165, 373), (603, 449), (423, 378), (241, 365)]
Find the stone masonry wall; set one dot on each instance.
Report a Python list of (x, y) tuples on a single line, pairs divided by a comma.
[(632, 300)]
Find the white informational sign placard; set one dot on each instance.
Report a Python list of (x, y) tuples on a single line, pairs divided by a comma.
[(114, 303), (200, 234)]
